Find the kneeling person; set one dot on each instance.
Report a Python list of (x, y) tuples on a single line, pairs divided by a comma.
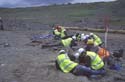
[(64, 64), (89, 59)]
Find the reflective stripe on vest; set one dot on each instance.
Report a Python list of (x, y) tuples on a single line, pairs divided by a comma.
[(66, 42), (96, 61), (65, 63)]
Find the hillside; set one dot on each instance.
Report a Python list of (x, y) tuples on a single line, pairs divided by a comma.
[(118, 8), (81, 15)]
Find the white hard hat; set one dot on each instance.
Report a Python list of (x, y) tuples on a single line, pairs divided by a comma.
[(74, 37), (80, 50), (91, 33), (87, 36), (82, 34), (76, 55), (62, 51), (84, 37)]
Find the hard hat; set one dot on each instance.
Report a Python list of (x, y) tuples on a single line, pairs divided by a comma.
[(82, 34), (91, 34), (90, 41), (74, 37), (80, 50), (62, 51), (76, 55), (84, 37), (87, 36)]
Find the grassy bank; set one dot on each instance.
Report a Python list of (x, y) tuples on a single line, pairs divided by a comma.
[(62, 14)]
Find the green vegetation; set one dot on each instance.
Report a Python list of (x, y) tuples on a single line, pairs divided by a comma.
[(117, 21), (61, 13), (50, 14)]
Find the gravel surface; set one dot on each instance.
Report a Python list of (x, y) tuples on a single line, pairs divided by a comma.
[(20, 62)]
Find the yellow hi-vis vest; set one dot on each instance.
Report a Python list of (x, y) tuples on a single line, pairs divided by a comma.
[(96, 61), (61, 34), (97, 40), (66, 42), (65, 64)]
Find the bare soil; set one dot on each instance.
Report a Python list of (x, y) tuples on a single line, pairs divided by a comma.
[(20, 62)]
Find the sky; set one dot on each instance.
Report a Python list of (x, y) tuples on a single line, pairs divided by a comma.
[(30, 3)]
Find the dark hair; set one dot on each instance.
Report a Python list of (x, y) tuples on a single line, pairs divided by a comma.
[(82, 57), (77, 34)]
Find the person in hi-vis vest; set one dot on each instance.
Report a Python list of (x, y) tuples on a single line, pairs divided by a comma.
[(66, 65), (59, 32)]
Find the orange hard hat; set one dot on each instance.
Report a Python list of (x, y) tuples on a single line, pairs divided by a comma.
[(103, 53)]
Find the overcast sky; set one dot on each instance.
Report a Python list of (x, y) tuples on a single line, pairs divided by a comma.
[(29, 3)]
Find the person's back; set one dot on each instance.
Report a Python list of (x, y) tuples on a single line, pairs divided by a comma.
[(97, 39), (69, 42), (96, 62), (64, 62), (66, 42)]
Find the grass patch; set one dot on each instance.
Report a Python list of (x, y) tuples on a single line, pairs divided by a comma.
[(59, 13), (117, 22), (82, 13)]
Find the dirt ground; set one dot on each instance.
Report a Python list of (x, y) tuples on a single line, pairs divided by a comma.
[(20, 62)]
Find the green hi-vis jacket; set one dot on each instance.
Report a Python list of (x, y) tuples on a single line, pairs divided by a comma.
[(66, 42), (61, 34), (97, 40), (96, 61), (65, 63)]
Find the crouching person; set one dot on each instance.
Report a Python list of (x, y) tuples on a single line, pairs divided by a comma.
[(89, 59), (64, 64)]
